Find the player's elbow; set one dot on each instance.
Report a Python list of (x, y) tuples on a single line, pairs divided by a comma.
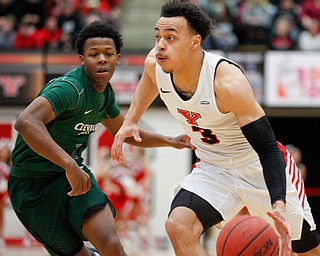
[(22, 123)]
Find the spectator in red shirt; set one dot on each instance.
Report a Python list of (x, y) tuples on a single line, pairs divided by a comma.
[(50, 34), (26, 36), (310, 12), (280, 38), (107, 10)]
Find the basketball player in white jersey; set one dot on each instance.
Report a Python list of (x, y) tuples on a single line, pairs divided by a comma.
[(241, 163)]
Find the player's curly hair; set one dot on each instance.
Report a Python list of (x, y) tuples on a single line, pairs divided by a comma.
[(197, 18), (98, 29)]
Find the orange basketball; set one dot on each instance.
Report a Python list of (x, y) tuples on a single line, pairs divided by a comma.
[(247, 236)]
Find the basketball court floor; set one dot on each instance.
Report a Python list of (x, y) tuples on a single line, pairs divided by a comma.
[(132, 250), (12, 251), (30, 247), (39, 251), (17, 242)]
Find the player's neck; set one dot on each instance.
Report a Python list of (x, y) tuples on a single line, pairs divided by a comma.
[(186, 81)]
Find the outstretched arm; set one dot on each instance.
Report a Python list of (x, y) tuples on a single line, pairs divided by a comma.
[(126, 129), (148, 139)]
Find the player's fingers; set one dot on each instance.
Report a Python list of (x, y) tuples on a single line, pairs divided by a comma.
[(285, 250), (116, 149), (288, 243), (185, 138), (73, 189), (116, 153), (136, 135), (86, 184), (71, 193), (78, 190), (272, 215), (187, 144), (75, 192), (282, 249)]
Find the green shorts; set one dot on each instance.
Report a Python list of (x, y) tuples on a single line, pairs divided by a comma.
[(50, 215)]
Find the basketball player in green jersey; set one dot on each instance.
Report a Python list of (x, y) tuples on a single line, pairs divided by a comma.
[(53, 194)]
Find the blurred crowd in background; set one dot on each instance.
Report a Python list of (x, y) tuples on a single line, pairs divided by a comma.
[(277, 25), (50, 24), (54, 24)]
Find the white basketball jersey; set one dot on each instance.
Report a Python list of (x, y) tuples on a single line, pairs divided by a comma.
[(217, 137)]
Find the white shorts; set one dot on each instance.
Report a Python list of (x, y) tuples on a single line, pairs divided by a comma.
[(229, 190)]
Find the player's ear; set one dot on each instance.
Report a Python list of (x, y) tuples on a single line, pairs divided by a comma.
[(196, 41), (118, 59), (81, 58)]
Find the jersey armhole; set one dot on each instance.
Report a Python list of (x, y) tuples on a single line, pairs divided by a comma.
[(230, 62)]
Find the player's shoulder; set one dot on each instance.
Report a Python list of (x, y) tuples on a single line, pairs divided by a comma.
[(227, 65), (150, 64), (228, 68), (65, 84), (150, 60)]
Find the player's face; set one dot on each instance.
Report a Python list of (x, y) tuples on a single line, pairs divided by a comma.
[(99, 60), (173, 43)]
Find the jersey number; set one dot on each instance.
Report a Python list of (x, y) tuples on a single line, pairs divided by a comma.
[(191, 118), (207, 135)]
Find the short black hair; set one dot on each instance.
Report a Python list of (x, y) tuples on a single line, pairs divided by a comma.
[(98, 29), (196, 17)]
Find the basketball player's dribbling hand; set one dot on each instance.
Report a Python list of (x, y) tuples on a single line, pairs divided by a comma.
[(284, 230)]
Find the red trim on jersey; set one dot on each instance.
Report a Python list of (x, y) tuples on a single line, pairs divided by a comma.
[(294, 173)]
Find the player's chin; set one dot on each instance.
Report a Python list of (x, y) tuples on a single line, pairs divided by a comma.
[(164, 64), (167, 70), (103, 78)]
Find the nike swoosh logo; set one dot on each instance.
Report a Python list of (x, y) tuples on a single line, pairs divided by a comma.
[(87, 112), (164, 91)]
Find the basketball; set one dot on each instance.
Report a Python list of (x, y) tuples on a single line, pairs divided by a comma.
[(247, 236)]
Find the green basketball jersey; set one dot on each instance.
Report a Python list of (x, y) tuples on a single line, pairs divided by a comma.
[(78, 108)]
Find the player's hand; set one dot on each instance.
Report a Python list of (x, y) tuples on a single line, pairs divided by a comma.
[(79, 181), (279, 217), (127, 130), (182, 141)]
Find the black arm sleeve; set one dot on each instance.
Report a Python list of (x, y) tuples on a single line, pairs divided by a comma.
[(261, 137)]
